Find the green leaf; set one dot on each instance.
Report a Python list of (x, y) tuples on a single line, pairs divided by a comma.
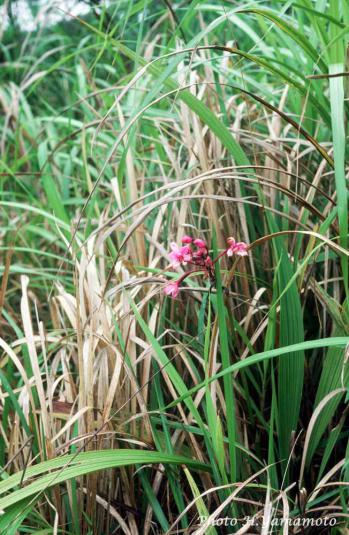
[(67, 467), (334, 369), (340, 341), (291, 368)]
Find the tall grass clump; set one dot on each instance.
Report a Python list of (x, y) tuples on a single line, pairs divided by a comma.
[(137, 398)]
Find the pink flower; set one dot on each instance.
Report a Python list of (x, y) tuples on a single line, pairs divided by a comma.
[(172, 288), (186, 240), (239, 248), (200, 243), (180, 255), (200, 253)]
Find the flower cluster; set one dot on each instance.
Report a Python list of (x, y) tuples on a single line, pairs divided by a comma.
[(194, 251)]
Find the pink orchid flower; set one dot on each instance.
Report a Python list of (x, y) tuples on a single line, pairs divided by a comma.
[(239, 248), (172, 289), (186, 239), (199, 259), (180, 255), (201, 244)]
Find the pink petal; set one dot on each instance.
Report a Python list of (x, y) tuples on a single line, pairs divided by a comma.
[(240, 247), (172, 289), (174, 247), (174, 259), (187, 239), (185, 250), (200, 243)]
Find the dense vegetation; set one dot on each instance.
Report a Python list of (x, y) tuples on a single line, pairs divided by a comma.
[(124, 410)]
